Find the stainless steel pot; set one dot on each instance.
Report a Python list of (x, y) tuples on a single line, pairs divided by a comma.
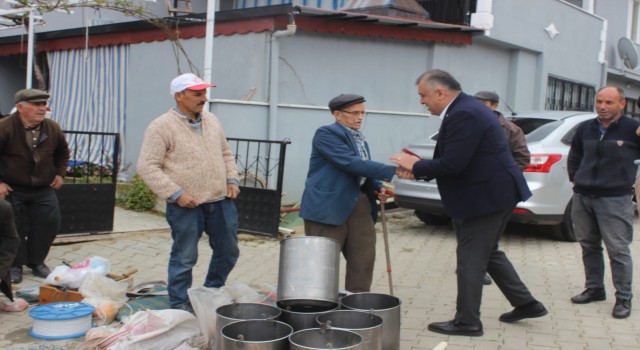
[(234, 312), (324, 339), (368, 325), (256, 335), (309, 271), (383, 305), (301, 317)]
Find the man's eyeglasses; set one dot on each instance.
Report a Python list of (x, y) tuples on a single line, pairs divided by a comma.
[(364, 114)]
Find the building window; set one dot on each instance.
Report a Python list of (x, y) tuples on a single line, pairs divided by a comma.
[(575, 2), (450, 11), (631, 109), (563, 95)]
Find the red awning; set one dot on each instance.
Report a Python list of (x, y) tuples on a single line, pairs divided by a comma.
[(309, 19)]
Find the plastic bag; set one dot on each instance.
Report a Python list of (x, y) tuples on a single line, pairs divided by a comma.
[(268, 292), (105, 294), (71, 277), (29, 293), (158, 330), (205, 302), (17, 305)]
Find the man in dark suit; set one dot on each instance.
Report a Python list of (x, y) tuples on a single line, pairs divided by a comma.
[(480, 184), (339, 199)]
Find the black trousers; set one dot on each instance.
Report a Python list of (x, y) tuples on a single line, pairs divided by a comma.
[(477, 252), (37, 216)]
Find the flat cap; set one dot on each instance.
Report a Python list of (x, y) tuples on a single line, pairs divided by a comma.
[(31, 95), (487, 96), (344, 100)]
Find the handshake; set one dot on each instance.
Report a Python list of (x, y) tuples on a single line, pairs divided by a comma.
[(405, 162)]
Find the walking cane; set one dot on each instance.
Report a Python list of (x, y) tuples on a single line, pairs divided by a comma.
[(385, 235)]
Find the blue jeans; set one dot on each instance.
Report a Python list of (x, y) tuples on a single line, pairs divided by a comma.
[(220, 221), (608, 220)]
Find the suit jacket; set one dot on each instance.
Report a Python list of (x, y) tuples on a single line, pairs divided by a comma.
[(335, 168), (476, 172)]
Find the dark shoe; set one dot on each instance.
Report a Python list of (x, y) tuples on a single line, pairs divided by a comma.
[(529, 310), (40, 270), (622, 308), (589, 295), (454, 327), (487, 279), (16, 275), (185, 307)]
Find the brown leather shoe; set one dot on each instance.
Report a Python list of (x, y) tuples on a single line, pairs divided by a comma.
[(589, 295)]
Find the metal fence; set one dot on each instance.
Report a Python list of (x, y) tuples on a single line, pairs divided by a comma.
[(87, 199), (260, 165)]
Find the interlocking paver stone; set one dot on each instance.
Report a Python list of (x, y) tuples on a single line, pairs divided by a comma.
[(423, 270)]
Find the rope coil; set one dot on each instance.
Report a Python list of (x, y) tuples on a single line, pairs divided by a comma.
[(62, 320)]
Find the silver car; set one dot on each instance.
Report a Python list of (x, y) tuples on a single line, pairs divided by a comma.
[(549, 135)]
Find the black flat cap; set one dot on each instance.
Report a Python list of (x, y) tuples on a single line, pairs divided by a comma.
[(31, 95), (487, 96), (344, 100)]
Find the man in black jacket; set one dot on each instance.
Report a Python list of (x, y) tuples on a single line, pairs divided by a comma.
[(601, 167), (480, 184), (34, 156)]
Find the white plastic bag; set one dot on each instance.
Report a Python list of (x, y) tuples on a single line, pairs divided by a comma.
[(71, 277), (105, 294), (157, 330), (205, 302)]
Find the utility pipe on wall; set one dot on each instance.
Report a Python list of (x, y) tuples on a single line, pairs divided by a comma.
[(30, 50), (208, 48), (602, 54), (274, 74)]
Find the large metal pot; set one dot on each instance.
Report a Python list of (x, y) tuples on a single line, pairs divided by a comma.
[(234, 312), (256, 335), (325, 339), (301, 317), (368, 325), (383, 305), (309, 271)]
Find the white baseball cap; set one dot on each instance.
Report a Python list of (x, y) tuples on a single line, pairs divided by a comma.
[(188, 81)]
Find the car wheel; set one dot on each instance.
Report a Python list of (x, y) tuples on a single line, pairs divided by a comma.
[(564, 230), (430, 219)]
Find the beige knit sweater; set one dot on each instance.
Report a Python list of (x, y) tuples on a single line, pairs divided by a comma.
[(174, 156)]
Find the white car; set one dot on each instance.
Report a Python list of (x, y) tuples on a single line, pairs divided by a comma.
[(549, 135)]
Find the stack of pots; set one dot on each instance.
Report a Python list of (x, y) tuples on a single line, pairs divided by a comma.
[(308, 279), (308, 315)]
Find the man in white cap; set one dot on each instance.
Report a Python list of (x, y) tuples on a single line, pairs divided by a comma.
[(185, 159)]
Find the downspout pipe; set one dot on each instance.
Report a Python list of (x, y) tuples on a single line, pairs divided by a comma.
[(208, 49), (601, 55), (274, 73), (30, 50)]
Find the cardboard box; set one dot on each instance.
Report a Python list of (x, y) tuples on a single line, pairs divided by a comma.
[(52, 294)]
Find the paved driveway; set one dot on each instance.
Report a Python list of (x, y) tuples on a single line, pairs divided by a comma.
[(423, 266)]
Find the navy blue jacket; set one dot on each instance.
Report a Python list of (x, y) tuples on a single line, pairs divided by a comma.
[(602, 165), (332, 186), (476, 172)]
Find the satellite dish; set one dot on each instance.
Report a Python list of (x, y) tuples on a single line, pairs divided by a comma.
[(628, 52)]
